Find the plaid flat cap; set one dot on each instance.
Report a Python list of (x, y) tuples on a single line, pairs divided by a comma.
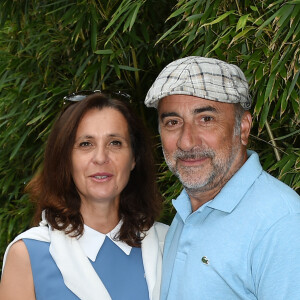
[(206, 78)]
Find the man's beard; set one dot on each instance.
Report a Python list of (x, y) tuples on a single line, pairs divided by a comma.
[(187, 174)]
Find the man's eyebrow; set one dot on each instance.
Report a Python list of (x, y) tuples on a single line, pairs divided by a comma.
[(168, 114), (203, 109), (195, 112)]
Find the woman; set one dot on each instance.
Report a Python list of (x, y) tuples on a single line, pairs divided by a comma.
[(98, 198)]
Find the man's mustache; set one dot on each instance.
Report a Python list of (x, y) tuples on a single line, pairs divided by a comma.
[(194, 154)]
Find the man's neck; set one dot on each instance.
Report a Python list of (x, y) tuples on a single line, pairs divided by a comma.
[(200, 196)]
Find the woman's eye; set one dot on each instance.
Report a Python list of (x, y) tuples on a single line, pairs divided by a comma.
[(116, 143), (85, 144)]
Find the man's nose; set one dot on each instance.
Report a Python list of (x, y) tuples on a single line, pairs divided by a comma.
[(188, 138)]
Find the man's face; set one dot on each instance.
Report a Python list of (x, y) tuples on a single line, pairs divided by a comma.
[(199, 141)]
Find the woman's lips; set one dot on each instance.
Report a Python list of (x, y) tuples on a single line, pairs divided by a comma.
[(101, 177)]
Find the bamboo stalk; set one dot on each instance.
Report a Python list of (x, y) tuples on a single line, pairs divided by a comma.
[(273, 142)]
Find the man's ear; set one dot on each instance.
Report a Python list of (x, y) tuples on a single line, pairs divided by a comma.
[(246, 124)]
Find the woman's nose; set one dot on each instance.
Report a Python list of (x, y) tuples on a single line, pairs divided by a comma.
[(100, 155)]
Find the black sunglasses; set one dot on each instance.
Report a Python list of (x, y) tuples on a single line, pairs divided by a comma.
[(80, 95)]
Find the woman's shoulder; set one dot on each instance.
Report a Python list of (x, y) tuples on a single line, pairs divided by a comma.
[(40, 233), (17, 281), (161, 226), (18, 251), (17, 256), (161, 229)]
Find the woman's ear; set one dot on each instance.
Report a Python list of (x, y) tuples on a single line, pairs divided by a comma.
[(132, 164), (246, 124)]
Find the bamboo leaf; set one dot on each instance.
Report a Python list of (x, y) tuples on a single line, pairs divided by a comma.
[(296, 132), (83, 66), (19, 144), (295, 79), (269, 86), (104, 52), (242, 22), (220, 18), (264, 115), (177, 13), (241, 34), (117, 68), (168, 32), (128, 68), (94, 32), (133, 18)]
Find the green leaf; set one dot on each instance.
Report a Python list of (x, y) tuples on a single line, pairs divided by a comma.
[(37, 118), (254, 8), (220, 18), (127, 68), (242, 22), (259, 73), (19, 144), (241, 34), (168, 32), (94, 32), (133, 17), (83, 66), (177, 13), (270, 86), (296, 132), (104, 51), (295, 79)]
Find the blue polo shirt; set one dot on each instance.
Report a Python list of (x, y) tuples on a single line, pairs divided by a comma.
[(243, 244)]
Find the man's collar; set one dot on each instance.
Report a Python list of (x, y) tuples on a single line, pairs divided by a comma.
[(231, 194), (234, 190), (92, 240)]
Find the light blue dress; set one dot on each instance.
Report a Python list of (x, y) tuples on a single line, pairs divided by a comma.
[(122, 275)]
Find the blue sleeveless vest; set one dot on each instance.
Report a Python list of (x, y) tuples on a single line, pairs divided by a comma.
[(122, 275)]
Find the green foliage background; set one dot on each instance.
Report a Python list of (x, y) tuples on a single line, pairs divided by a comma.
[(49, 49)]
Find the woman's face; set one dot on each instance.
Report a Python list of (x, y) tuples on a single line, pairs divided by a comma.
[(102, 157)]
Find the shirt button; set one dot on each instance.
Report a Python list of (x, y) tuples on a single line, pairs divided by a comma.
[(205, 260)]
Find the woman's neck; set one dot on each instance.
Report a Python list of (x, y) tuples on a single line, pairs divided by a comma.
[(102, 217)]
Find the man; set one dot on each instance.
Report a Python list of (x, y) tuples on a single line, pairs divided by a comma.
[(236, 234)]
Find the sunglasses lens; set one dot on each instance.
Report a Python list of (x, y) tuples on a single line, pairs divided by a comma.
[(75, 98), (78, 96)]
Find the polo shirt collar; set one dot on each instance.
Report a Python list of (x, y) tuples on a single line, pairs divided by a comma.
[(92, 240), (235, 189), (232, 192)]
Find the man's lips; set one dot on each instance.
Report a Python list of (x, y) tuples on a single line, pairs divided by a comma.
[(192, 161)]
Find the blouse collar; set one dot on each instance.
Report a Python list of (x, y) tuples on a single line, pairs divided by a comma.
[(92, 240)]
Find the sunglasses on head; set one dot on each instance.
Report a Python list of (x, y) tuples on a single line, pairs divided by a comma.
[(80, 95)]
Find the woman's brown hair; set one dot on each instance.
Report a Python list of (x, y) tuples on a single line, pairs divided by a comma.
[(54, 191)]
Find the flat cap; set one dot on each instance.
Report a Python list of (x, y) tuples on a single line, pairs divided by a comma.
[(206, 78)]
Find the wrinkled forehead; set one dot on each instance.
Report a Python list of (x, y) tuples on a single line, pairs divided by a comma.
[(192, 105)]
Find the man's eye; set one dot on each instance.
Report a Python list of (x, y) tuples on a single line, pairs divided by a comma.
[(171, 123), (207, 119)]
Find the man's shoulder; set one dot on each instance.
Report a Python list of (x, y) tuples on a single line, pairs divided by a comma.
[(270, 186), (269, 200)]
